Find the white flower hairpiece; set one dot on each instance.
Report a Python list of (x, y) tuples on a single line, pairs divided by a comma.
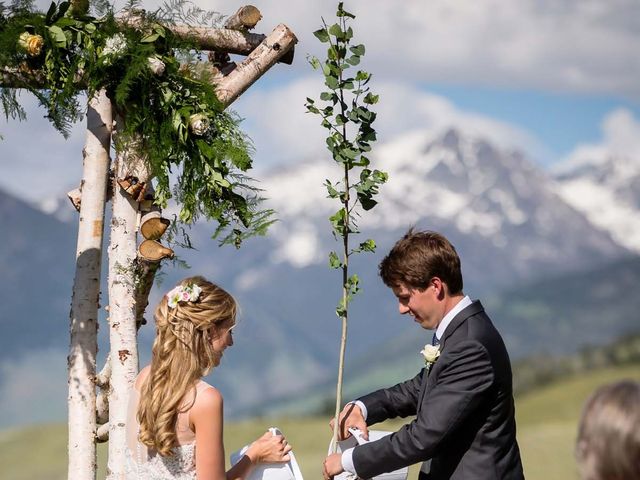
[(183, 293)]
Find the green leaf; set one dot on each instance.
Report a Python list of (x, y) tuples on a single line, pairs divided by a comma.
[(334, 261), (357, 50), (371, 99), (58, 36), (338, 221), (333, 193), (368, 246), (50, 12), (328, 96), (150, 38), (331, 82), (342, 12), (353, 60), (367, 202), (361, 75), (335, 30), (322, 35)]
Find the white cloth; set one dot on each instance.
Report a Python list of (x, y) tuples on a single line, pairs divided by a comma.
[(347, 455)]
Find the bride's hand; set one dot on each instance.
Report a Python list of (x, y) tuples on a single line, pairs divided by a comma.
[(269, 448)]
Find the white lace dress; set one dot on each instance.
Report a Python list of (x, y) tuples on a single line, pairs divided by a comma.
[(146, 464)]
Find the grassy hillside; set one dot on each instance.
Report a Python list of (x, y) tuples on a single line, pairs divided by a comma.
[(547, 420)]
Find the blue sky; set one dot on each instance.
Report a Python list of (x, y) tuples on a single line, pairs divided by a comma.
[(560, 120)]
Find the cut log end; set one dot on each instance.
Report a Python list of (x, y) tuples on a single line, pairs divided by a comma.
[(244, 19), (153, 251), (153, 226), (133, 187), (75, 196)]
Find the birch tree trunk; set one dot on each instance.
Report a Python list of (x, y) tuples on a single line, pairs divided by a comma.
[(122, 307), (86, 292)]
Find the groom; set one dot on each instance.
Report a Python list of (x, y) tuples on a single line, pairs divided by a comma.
[(463, 401)]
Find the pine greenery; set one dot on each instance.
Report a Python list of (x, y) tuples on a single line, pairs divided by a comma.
[(194, 147)]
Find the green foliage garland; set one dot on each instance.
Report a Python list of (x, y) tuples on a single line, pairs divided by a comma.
[(345, 112), (170, 109)]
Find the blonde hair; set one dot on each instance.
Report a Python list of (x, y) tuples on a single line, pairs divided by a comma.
[(182, 353), (608, 445)]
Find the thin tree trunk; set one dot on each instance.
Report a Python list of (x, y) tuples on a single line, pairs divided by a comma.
[(86, 292), (122, 307)]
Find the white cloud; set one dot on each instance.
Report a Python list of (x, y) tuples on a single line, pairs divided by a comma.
[(283, 132), (567, 46), (620, 137)]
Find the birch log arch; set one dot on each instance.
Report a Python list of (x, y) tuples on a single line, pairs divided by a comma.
[(55, 55)]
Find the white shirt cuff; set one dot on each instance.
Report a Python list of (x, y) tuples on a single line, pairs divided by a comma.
[(347, 461), (363, 409)]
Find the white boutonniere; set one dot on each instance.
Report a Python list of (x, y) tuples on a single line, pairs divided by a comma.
[(430, 354)]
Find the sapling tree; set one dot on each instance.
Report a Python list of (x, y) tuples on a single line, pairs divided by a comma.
[(345, 110)]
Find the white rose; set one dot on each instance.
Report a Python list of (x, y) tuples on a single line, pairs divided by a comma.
[(156, 66), (195, 292), (199, 123), (430, 353)]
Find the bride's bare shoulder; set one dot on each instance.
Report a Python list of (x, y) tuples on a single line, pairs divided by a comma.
[(142, 376)]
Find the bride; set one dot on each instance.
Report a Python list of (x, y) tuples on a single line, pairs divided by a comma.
[(174, 427)]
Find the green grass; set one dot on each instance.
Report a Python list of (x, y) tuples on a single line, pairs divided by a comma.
[(547, 420)]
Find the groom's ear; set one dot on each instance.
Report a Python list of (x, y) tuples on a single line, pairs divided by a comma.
[(440, 287)]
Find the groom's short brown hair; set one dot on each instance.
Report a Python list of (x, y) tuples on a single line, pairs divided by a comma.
[(418, 257)]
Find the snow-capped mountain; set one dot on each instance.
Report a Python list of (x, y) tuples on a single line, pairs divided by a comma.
[(500, 211), (494, 204), (605, 186)]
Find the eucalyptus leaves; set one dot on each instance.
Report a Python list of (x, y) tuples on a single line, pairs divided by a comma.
[(170, 106), (345, 113)]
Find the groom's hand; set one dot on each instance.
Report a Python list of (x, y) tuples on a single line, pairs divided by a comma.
[(332, 466), (351, 417)]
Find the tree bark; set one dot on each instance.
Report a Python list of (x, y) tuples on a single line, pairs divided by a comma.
[(263, 57), (86, 292), (122, 306)]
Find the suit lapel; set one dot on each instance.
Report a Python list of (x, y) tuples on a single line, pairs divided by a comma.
[(473, 309)]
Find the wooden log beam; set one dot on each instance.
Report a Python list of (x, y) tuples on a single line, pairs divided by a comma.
[(263, 57), (216, 39)]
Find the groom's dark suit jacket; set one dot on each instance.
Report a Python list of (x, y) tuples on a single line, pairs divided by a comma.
[(463, 406)]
